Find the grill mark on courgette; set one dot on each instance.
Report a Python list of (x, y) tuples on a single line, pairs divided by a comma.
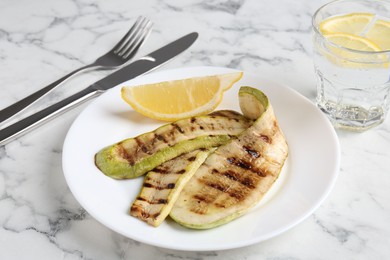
[(231, 175), (201, 198), (168, 186), (252, 152), (139, 211), (148, 185), (260, 172), (240, 163), (228, 114), (246, 165), (142, 213), (249, 182), (145, 214), (152, 202), (181, 171), (170, 135), (160, 138), (122, 152), (165, 170), (220, 205), (216, 186), (235, 176), (160, 170), (140, 198), (238, 194), (191, 159), (178, 128), (198, 210), (142, 146), (171, 185), (160, 201)]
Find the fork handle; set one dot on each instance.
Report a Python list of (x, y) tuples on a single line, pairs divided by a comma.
[(35, 120), (16, 108)]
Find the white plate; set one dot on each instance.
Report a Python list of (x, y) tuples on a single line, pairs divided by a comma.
[(307, 178)]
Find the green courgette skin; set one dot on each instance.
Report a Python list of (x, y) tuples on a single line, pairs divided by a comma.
[(134, 157), (236, 176)]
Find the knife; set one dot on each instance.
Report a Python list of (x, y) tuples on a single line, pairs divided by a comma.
[(136, 68)]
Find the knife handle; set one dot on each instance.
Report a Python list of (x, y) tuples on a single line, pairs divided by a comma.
[(21, 127)]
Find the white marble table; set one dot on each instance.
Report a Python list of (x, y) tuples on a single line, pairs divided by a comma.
[(42, 40)]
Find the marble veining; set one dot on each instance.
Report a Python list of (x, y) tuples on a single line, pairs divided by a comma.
[(43, 40)]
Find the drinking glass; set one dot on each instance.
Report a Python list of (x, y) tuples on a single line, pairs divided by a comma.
[(353, 86)]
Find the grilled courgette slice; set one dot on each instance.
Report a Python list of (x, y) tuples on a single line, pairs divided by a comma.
[(133, 157), (236, 176), (163, 184)]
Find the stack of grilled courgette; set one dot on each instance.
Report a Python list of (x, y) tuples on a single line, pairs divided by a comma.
[(202, 171)]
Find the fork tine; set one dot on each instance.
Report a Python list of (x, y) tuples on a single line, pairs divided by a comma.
[(133, 45), (134, 29), (137, 33)]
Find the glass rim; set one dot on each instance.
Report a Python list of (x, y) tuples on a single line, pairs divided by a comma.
[(317, 31)]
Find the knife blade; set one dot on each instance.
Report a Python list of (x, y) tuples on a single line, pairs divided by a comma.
[(141, 66)]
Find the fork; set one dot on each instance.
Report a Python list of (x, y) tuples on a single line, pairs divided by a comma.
[(122, 52)]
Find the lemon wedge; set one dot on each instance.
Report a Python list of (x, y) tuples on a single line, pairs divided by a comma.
[(177, 99)]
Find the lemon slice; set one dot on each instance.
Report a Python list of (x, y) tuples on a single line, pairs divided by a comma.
[(355, 59), (380, 34), (354, 23), (353, 42), (173, 100)]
